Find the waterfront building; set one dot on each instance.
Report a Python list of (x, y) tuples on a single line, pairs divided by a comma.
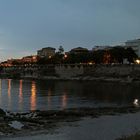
[(29, 59), (96, 48), (46, 52), (79, 50), (134, 44), (10, 62)]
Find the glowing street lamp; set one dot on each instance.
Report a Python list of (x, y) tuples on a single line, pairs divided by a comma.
[(137, 61), (65, 56)]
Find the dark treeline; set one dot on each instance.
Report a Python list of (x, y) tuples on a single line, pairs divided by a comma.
[(107, 56), (112, 55)]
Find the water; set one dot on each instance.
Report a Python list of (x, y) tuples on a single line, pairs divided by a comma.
[(25, 95)]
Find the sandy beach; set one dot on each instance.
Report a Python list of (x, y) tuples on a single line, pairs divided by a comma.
[(103, 128)]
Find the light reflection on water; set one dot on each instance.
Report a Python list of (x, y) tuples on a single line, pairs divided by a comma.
[(33, 96), (20, 95), (0, 93), (49, 99), (9, 94), (25, 95), (64, 101)]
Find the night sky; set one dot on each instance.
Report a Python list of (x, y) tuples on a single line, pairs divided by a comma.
[(29, 25)]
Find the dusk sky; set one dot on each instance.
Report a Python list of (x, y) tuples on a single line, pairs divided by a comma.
[(29, 25)]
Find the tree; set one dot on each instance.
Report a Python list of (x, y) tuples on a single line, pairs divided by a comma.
[(41, 61), (117, 54), (98, 56), (130, 55), (60, 50)]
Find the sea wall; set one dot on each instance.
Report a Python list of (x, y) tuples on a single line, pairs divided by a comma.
[(102, 70), (111, 70), (72, 71), (69, 71)]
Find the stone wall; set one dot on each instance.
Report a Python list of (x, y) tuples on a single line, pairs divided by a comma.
[(73, 71), (117, 70), (69, 71), (102, 70), (107, 70)]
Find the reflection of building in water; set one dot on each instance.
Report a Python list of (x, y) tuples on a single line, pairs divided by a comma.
[(20, 95), (9, 94), (33, 96), (0, 94), (64, 101), (49, 98)]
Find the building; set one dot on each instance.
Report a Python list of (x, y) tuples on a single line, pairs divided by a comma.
[(29, 59), (96, 48), (46, 52), (10, 62), (79, 50), (134, 44)]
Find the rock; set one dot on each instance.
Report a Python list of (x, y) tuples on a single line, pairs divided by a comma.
[(2, 113), (1, 134), (1, 119), (16, 125)]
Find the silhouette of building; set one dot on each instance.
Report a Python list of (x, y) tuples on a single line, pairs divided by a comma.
[(46, 52), (96, 48), (29, 59), (79, 50)]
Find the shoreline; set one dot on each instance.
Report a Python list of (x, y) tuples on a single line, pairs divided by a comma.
[(47, 121), (82, 78), (81, 120), (79, 72)]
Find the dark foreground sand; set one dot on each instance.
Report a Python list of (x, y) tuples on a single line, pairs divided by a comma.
[(103, 128)]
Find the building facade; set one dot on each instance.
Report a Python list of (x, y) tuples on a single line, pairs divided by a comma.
[(46, 52), (79, 50), (29, 59), (97, 48), (135, 45)]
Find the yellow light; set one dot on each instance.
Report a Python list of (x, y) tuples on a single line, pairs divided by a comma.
[(136, 102), (65, 56), (90, 63), (137, 61), (34, 57)]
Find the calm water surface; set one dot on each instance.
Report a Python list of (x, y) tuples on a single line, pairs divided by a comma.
[(25, 95)]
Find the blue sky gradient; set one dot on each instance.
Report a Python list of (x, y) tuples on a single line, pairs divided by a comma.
[(29, 25)]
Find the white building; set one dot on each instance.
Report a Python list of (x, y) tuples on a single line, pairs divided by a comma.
[(96, 48), (135, 45)]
